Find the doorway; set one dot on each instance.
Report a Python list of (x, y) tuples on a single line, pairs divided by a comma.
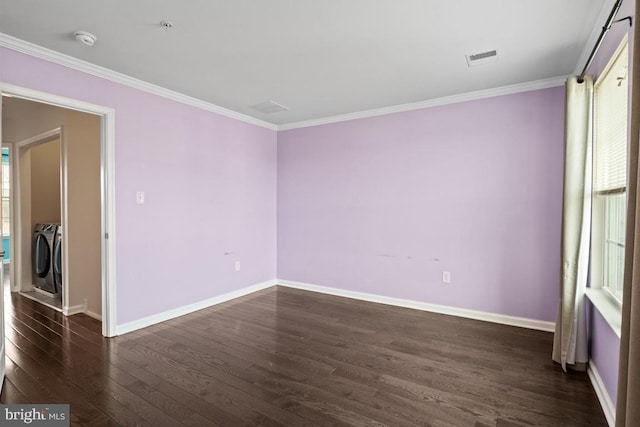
[(38, 200), (106, 226)]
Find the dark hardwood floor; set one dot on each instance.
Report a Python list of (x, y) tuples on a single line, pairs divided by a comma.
[(283, 357)]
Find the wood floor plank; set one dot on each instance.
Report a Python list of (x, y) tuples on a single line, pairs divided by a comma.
[(51, 386), (285, 357), (208, 385), (10, 393), (192, 402), (195, 420)]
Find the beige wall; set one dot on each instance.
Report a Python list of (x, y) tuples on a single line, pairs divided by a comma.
[(82, 134), (45, 183), (81, 163)]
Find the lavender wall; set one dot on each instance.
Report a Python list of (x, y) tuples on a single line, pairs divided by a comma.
[(383, 205), (605, 344), (210, 185), (604, 351)]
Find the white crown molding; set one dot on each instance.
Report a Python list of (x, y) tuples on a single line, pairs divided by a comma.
[(423, 306), (40, 52), (608, 407), (454, 99), (190, 308)]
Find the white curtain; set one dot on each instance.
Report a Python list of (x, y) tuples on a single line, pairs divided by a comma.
[(570, 340)]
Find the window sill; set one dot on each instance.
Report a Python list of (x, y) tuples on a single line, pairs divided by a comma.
[(608, 308)]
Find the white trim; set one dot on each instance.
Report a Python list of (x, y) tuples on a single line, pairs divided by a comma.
[(51, 99), (94, 315), (16, 232), (624, 43), (434, 308), (41, 138), (95, 70), (454, 99), (108, 223), (40, 52), (75, 309), (64, 217), (608, 307), (190, 308), (107, 165), (607, 404)]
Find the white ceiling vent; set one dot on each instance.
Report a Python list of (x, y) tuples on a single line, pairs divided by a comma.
[(481, 57), (269, 107)]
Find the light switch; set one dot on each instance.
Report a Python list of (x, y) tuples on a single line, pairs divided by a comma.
[(140, 197), (446, 277)]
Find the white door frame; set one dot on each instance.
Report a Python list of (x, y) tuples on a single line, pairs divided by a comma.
[(107, 189)]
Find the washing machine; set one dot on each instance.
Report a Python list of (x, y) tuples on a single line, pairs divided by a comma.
[(56, 260), (41, 257)]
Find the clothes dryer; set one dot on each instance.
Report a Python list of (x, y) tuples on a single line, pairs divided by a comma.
[(41, 256), (57, 260)]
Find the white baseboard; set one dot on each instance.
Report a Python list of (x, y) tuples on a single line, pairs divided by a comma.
[(74, 309), (603, 395), (434, 308), (94, 315), (181, 311), (453, 311)]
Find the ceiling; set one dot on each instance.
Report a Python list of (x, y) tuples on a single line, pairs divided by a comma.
[(319, 58)]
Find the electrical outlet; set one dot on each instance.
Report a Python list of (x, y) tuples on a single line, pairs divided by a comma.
[(446, 277), (237, 265)]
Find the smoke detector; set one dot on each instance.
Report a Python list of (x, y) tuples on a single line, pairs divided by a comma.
[(85, 37), (474, 59), (269, 107)]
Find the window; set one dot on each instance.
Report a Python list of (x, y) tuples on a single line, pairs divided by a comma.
[(610, 174)]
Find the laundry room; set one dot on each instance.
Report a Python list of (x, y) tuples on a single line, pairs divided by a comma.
[(39, 169), (55, 205)]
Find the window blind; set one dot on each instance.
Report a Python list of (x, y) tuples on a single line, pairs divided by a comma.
[(610, 126)]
